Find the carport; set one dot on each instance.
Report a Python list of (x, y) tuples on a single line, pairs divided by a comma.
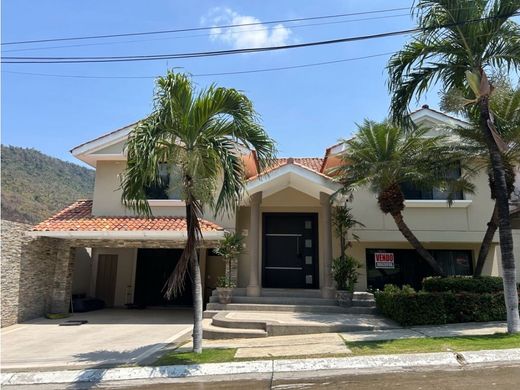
[(121, 260)]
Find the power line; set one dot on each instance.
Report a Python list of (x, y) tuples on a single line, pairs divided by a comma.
[(202, 28), (50, 60), (314, 64), (154, 57), (202, 35)]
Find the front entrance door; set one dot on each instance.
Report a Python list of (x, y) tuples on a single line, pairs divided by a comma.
[(290, 250)]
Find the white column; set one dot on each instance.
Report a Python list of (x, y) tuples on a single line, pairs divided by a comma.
[(327, 290), (253, 288)]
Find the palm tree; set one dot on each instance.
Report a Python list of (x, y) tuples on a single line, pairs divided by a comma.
[(199, 136), (505, 104), (384, 157), (458, 43)]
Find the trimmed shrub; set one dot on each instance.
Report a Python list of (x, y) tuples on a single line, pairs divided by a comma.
[(471, 307), (408, 307), (481, 284)]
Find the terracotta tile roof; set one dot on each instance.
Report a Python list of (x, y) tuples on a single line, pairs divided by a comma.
[(78, 217), (310, 163)]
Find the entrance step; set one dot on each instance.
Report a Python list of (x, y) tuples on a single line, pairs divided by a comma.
[(214, 308), (278, 300), (293, 292), (210, 331), (236, 324)]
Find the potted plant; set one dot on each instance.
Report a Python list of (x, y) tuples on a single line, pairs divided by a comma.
[(230, 247), (344, 271), (344, 267)]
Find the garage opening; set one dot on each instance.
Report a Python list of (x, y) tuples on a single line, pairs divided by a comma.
[(154, 266)]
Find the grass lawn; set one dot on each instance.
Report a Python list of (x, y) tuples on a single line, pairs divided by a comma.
[(416, 345), (436, 344), (207, 356)]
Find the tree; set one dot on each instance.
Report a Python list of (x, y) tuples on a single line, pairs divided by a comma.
[(200, 136), (505, 104), (458, 43), (384, 157)]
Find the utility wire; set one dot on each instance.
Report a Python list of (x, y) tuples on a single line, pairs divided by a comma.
[(314, 64), (154, 57), (202, 35), (201, 28), (61, 60)]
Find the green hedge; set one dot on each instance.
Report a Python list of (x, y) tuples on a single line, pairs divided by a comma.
[(408, 307), (482, 284)]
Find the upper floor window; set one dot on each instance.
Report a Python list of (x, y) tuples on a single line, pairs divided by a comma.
[(168, 185), (412, 192)]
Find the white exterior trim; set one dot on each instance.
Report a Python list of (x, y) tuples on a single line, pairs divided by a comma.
[(434, 203), (427, 113), (292, 175), (166, 203), (103, 141), (126, 235)]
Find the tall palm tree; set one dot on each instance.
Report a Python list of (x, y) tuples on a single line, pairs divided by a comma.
[(384, 157), (199, 136), (505, 104), (458, 44)]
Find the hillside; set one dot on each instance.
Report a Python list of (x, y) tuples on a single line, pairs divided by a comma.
[(35, 186)]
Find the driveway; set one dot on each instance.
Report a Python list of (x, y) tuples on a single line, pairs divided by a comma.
[(111, 337)]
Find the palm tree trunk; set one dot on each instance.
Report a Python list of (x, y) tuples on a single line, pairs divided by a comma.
[(504, 223), (407, 233), (197, 304), (492, 227)]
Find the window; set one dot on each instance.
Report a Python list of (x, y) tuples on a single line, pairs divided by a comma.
[(410, 268), (412, 192), (168, 186)]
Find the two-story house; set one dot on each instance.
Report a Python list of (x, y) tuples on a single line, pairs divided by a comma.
[(103, 250)]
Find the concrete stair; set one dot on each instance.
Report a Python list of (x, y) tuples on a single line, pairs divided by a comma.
[(307, 305)]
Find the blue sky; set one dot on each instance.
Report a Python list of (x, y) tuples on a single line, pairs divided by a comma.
[(304, 110)]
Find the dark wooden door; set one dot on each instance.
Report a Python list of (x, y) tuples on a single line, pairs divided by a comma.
[(154, 266), (290, 250), (106, 279)]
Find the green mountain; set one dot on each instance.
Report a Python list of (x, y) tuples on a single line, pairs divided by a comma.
[(35, 186)]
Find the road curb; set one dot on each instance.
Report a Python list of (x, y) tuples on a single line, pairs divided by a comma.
[(369, 363)]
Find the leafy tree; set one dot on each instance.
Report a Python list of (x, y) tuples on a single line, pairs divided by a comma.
[(201, 135), (505, 104), (384, 157), (458, 44)]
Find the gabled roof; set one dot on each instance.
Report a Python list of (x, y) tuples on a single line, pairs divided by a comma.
[(78, 218), (311, 163), (438, 116)]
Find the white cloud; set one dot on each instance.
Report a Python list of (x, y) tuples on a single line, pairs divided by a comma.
[(258, 35)]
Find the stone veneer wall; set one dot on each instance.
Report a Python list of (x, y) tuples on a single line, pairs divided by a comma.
[(12, 236), (28, 268)]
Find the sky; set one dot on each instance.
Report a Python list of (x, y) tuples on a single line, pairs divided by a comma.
[(305, 110)]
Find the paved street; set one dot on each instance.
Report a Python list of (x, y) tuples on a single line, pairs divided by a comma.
[(490, 377)]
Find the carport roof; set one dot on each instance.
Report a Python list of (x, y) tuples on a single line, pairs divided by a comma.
[(78, 218)]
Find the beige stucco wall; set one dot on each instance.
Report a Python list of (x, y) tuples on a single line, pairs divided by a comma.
[(107, 198), (430, 224)]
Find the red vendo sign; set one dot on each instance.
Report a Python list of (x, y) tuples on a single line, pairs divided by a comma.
[(384, 260)]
